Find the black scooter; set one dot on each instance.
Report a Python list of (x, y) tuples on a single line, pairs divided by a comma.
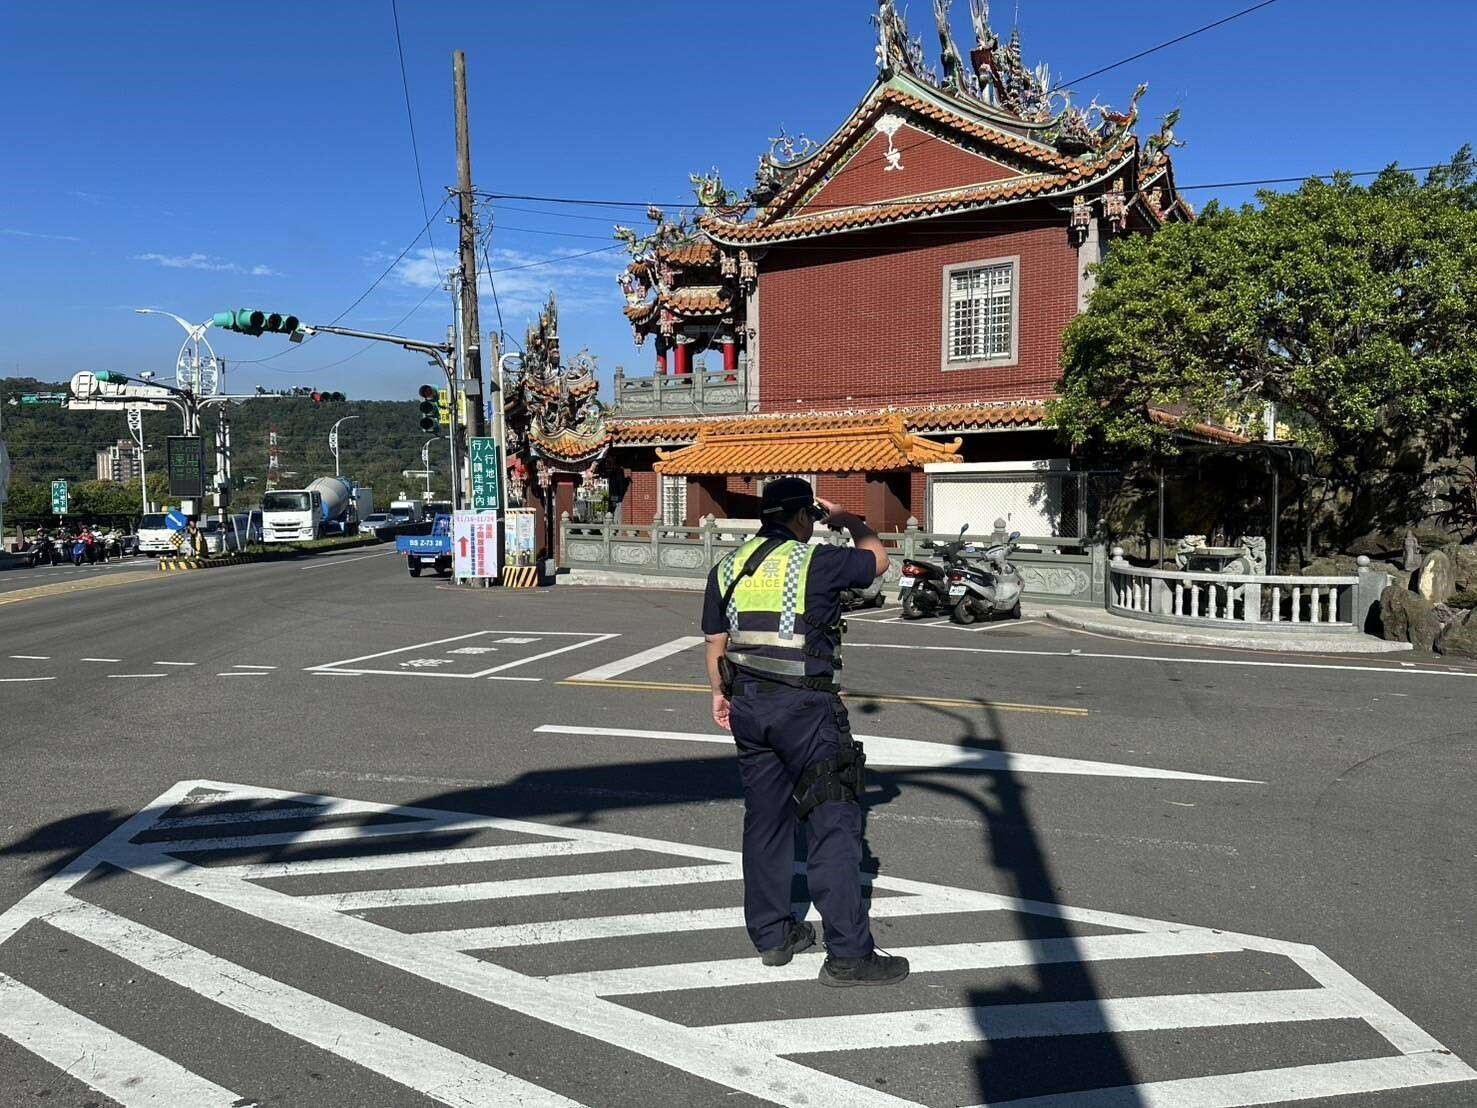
[(924, 585)]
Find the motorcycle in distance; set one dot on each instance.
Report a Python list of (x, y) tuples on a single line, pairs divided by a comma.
[(44, 551), (923, 587), (85, 548), (986, 585)]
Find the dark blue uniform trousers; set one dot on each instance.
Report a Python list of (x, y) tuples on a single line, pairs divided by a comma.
[(780, 732)]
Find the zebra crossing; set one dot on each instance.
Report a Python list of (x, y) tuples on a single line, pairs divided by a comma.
[(356, 941)]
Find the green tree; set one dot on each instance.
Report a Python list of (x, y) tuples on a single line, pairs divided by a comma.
[(1354, 309)]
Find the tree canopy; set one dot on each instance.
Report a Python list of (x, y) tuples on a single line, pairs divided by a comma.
[(1353, 308)]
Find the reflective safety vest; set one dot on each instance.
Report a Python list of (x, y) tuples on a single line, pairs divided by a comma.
[(766, 610)]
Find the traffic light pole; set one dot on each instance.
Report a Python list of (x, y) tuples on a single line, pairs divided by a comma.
[(443, 353)]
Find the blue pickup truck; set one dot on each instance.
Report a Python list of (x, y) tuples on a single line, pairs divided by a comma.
[(432, 550)]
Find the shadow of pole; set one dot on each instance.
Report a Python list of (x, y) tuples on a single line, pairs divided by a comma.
[(1011, 1068)]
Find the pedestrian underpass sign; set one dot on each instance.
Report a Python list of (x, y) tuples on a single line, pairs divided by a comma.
[(61, 498), (485, 475)]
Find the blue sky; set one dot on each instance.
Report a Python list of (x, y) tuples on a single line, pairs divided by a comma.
[(202, 156)]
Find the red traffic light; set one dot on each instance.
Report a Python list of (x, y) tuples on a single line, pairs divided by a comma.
[(427, 392), (317, 397)]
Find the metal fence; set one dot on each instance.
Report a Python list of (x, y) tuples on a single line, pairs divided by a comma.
[(1056, 569)]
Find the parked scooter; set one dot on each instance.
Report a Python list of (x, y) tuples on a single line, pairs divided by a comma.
[(923, 588), (987, 585), (869, 597)]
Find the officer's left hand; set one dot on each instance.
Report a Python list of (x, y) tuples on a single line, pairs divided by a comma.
[(720, 711)]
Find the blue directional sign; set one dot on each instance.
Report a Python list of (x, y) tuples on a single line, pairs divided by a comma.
[(175, 520)]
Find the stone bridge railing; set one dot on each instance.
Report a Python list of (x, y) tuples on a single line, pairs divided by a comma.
[(1056, 570), (1334, 604)]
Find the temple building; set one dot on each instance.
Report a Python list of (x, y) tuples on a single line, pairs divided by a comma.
[(882, 312)]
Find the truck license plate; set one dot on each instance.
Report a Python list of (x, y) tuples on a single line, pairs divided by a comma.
[(905, 583), (956, 590)]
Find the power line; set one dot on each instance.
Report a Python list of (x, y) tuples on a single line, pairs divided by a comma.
[(360, 298), (560, 258), (1171, 42), (414, 146)]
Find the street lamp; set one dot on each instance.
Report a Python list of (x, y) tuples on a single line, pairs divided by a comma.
[(333, 440), (202, 376)]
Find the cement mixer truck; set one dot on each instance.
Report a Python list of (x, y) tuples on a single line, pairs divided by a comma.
[(329, 506)]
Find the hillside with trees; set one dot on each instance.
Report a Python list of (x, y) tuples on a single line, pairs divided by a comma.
[(47, 443)]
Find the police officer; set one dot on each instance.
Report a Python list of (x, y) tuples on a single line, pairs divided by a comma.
[(772, 621)]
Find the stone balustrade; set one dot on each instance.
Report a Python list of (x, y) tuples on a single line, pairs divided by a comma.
[(1335, 604), (1056, 570), (701, 392)]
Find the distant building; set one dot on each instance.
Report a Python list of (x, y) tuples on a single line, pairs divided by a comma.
[(119, 462)]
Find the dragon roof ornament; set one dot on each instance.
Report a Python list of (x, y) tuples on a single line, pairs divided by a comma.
[(997, 77), (552, 410)]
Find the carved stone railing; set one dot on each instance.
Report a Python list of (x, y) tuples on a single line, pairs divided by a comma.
[(1271, 603), (701, 392), (1056, 570)]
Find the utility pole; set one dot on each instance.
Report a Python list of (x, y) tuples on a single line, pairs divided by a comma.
[(471, 352)]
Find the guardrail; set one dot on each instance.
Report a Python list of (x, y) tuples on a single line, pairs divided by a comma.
[(701, 391), (1335, 604), (1058, 570)]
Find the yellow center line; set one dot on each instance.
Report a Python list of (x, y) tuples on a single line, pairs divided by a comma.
[(923, 701), (62, 588)]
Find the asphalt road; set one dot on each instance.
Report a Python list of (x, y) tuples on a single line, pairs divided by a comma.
[(347, 837)]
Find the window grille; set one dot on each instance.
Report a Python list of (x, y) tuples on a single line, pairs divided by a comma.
[(981, 312), (674, 501)]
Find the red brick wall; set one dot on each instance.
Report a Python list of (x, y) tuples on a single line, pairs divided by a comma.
[(640, 506), (849, 491), (919, 480), (928, 165), (859, 322)]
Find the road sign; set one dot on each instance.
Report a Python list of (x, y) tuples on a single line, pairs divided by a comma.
[(61, 498), (474, 544), (175, 520), (444, 397), (486, 486), (186, 466)]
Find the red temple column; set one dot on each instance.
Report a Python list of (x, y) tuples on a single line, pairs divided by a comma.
[(684, 358), (730, 358)]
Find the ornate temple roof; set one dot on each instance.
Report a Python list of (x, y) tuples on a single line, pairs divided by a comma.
[(857, 444), (925, 419)]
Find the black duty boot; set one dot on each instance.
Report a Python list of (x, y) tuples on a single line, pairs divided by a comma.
[(876, 968), (801, 937)]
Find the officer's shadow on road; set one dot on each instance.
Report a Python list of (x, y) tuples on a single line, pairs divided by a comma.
[(1009, 1068)]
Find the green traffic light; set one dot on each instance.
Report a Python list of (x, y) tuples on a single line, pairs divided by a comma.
[(110, 376), (249, 321), (226, 321)]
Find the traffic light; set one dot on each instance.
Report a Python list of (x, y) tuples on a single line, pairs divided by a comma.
[(110, 375), (430, 407), (249, 321), (327, 397)]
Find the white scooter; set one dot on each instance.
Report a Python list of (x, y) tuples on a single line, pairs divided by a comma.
[(986, 585)]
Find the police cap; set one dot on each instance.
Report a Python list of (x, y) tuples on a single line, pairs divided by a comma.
[(786, 496)]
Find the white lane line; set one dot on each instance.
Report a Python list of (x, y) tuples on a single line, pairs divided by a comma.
[(636, 661), (705, 1056), (176, 663), (348, 664), (116, 1067), (257, 815), (248, 665), (101, 659), (530, 886), (1351, 668), (884, 751), (946, 958), (138, 675), (414, 1062), (1110, 1015), (230, 674), (998, 624), (33, 657), (657, 923), (327, 835), (22, 680), (1232, 1090), (341, 561), (414, 859)]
